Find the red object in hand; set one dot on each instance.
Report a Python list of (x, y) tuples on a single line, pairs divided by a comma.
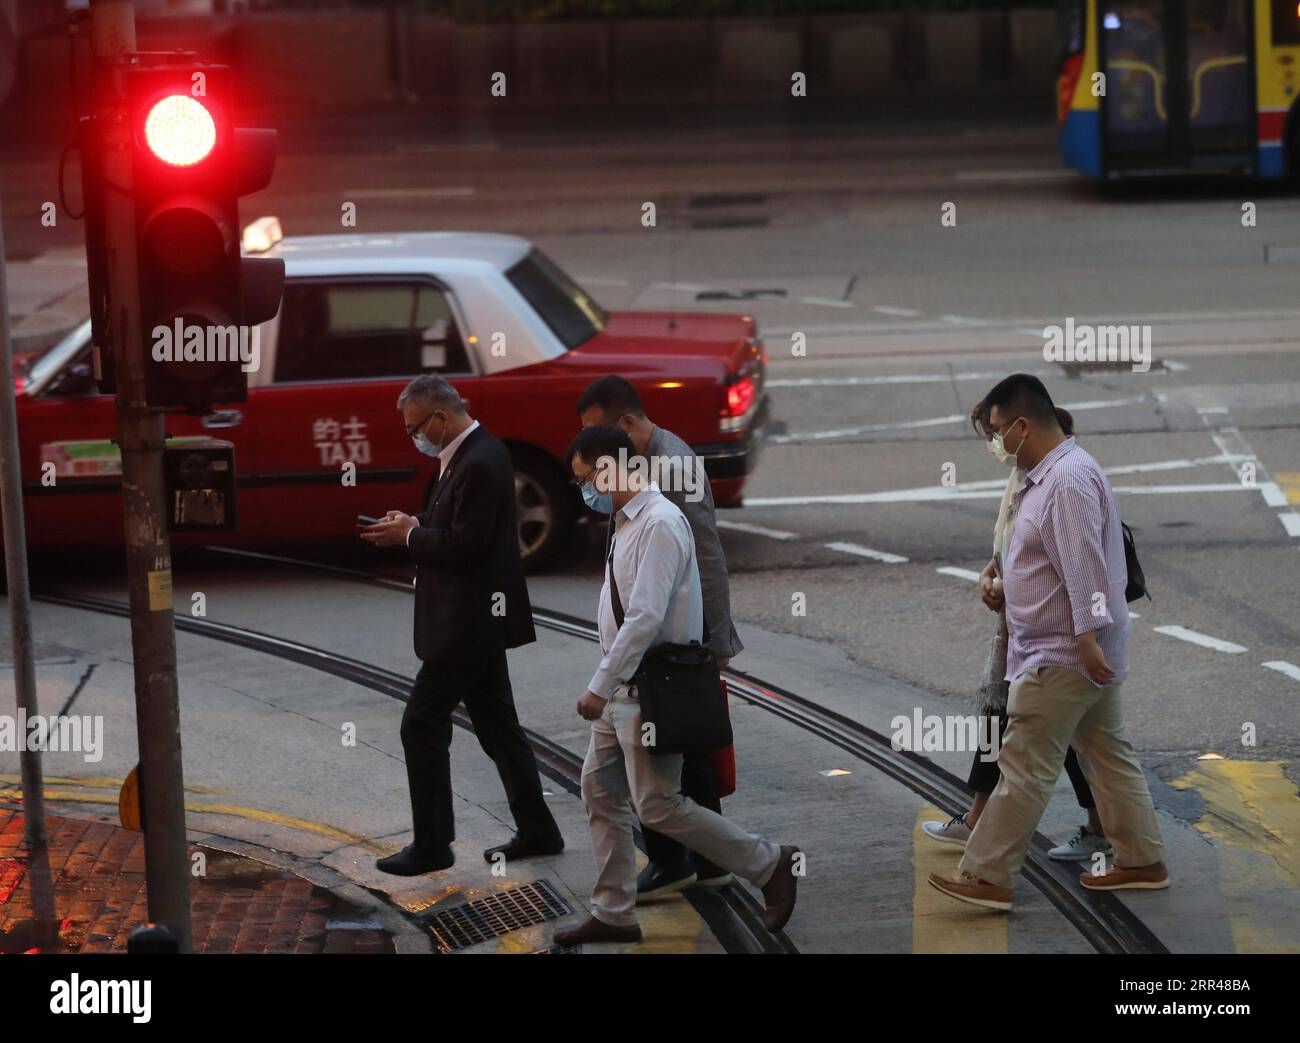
[(723, 761)]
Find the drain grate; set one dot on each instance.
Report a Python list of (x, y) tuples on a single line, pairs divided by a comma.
[(495, 915)]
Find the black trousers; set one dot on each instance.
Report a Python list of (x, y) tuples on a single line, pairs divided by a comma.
[(483, 685), (984, 774), (699, 784)]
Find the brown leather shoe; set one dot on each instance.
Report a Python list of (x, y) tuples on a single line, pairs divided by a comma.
[(779, 891), (1154, 877), (592, 931), (968, 888)]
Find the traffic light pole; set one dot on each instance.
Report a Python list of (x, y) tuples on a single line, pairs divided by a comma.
[(140, 436)]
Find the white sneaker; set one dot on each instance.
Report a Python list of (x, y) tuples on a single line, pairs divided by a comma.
[(954, 831), (1081, 847)]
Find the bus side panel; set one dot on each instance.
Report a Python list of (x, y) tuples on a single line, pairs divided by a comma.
[(1274, 90), (1079, 133)]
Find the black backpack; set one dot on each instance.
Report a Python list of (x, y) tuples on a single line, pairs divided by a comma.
[(1137, 582)]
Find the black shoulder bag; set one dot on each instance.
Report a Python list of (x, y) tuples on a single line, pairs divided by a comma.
[(680, 691), (1137, 581)]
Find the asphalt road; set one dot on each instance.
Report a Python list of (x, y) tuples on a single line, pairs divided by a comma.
[(873, 498)]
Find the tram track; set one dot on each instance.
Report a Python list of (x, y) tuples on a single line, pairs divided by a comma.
[(1101, 919)]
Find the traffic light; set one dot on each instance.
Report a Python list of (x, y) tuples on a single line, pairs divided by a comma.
[(200, 301)]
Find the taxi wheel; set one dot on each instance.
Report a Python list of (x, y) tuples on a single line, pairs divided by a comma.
[(544, 509)]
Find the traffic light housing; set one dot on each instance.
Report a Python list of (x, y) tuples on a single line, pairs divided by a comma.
[(200, 300)]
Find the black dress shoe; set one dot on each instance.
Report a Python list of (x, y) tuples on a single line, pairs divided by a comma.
[(660, 881), (412, 861), (525, 847), (592, 932)]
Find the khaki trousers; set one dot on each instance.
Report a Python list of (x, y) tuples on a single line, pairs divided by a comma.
[(618, 770), (1050, 709)]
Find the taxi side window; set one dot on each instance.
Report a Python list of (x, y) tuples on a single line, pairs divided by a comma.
[(349, 331)]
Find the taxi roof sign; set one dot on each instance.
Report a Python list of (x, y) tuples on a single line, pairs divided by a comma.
[(262, 234)]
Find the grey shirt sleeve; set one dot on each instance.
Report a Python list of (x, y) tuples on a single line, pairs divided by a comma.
[(685, 492)]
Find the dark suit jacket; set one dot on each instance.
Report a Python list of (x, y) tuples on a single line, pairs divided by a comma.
[(471, 600)]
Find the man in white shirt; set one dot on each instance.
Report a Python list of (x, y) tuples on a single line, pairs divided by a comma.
[(652, 559)]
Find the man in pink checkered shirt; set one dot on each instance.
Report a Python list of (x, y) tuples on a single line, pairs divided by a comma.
[(1068, 653)]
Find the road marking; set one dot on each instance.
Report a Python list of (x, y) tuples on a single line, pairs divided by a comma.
[(940, 925), (1283, 667), (1291, 522), (940, 421), (1274, 495), (961, 320), (410, 193), (679, 287), (757, 530), (901, 378), (1288, 486), (1252, 817), (1204, 640), (952, 570), (938, 492), (1053, 174), (596, 280), (907, 313), (827, 302), (867, 552)]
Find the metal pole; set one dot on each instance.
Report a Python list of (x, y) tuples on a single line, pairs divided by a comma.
[(20, 623), (140, 436)]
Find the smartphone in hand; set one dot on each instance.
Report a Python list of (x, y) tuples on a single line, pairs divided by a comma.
[(365, 519)]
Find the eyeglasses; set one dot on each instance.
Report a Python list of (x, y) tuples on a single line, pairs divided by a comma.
[(410, 431), (580, 482)]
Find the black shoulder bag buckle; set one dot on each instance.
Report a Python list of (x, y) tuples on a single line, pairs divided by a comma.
[(680, 692)]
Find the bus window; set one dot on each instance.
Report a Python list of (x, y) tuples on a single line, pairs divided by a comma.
[(1286, 23)]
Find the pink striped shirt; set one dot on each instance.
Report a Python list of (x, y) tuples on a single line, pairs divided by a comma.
[(1064, 573)]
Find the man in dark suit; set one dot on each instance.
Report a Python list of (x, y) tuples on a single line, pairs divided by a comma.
[(471, 604)]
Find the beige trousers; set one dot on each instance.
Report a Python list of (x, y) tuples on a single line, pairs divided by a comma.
[(618, 776), (1050, 709)]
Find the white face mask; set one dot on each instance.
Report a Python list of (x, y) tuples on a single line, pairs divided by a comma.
[(425, 444), (1001, 452)]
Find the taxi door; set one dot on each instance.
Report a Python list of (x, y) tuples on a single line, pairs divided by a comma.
[(333, 445)]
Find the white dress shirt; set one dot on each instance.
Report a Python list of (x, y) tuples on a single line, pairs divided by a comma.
[(658, 584), (444, 458)]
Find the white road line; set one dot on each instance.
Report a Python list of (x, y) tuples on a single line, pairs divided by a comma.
[(409, 193), (1206, 410), (1204, 640), (1175, 367), (900, 378), (827, 302), (939, 421), (1283, 667), (867, 552), (680, 287), (907, 313), (952, 570), (757, 530), (1273, 494), (962, 320), (596, 280), (937, 492), (1291, 522)]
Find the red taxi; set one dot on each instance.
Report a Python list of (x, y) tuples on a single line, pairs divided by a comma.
[(361, 315)]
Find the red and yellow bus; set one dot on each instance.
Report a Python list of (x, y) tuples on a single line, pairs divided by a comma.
[(1155, 87)]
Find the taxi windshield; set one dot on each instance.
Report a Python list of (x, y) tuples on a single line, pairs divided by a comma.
[(563, 305)]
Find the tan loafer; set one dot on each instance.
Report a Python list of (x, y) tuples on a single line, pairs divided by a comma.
[(968, 888), (1154, 877)]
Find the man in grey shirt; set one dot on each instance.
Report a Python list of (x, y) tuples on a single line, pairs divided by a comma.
[(613, 402)]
